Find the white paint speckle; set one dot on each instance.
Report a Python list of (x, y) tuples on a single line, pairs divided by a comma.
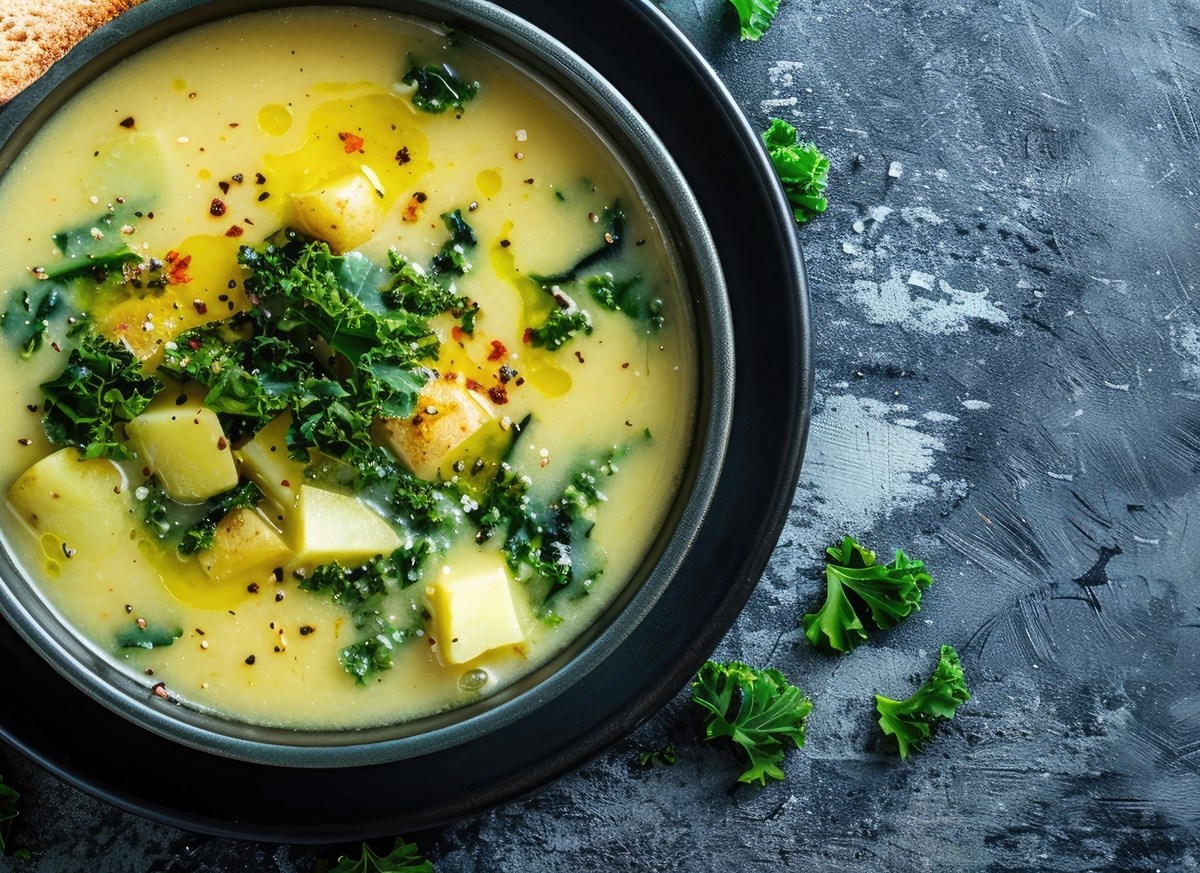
[(976, 404)]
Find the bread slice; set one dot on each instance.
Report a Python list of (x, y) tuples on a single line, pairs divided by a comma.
[(36, 33)]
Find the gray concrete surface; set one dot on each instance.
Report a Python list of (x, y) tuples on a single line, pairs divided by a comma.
[(1005, 293)]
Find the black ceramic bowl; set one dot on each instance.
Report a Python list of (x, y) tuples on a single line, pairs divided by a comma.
[(665, 111)]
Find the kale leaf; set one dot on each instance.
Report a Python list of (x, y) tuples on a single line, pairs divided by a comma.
[(453, 255), (853, 581), (438, 87), (755, 16), (404, 857), (28, 316), (101, 386), (374, 654), (202, 535), (560, 326), (801, 167), (627, 296), (756, 709), (910, 720)]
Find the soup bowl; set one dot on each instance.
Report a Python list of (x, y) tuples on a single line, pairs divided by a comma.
[(747, 438)]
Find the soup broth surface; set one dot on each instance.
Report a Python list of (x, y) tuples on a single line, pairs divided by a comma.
[(565, 361)]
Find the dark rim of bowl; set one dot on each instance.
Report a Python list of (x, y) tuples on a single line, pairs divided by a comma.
[(657, 176)]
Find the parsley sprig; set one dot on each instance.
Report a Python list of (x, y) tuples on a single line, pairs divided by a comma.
[(911, 719), (756, 709), (854, 583)]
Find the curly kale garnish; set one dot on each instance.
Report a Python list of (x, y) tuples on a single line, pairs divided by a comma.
[(910, 720), (101, 387), (438, 87), (758, 710), (801, 167), (854, 583)]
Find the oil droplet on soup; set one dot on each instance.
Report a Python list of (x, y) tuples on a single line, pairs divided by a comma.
[(343, 393)]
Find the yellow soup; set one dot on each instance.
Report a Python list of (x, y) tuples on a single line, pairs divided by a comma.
[(348, 372)]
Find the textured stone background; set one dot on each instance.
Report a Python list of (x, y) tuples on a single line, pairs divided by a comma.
[(1008, 351)]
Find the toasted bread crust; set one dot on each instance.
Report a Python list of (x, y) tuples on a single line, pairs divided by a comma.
[(36, 33)]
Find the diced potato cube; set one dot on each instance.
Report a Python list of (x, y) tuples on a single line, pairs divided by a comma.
[(185, 447), (245, 546), (336, 527), (146, 324), (473, 612), (265, 460), (84, 505), (446, 414), (345, 213)]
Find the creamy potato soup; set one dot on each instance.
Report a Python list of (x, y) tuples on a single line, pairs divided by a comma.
[(348, 375)]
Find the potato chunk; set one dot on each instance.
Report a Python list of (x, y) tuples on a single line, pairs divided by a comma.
[(473, 612), (208, 289), (265, 460), (184, 445), (245, 546), (336, 527), (345, 213), (447, 413), (84, 505)]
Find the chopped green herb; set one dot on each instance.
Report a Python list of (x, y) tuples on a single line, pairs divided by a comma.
[(756, 709), (155, 514), (801, 167), (100, 387), (374, 653), (404, 857), (412, 289), (910, 720), (453, 256), (560, 326), (853, 582), (148, 637), (438, 88), (755, 16)]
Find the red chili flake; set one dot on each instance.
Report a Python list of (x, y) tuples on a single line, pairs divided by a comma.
[(159, 690), (403, 156), (171, 257), (222, 444), (234, 231), (527, 337), (285, 483), (456, 333), (412, 211), (216, 208), (179, 268), (472, 385), (499, 394), (351, 142), (56, 346), (450, 376), (201, 307), (498, 351), (193, 344)]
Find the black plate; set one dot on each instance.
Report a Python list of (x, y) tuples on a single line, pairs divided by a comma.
[(644, 56)]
